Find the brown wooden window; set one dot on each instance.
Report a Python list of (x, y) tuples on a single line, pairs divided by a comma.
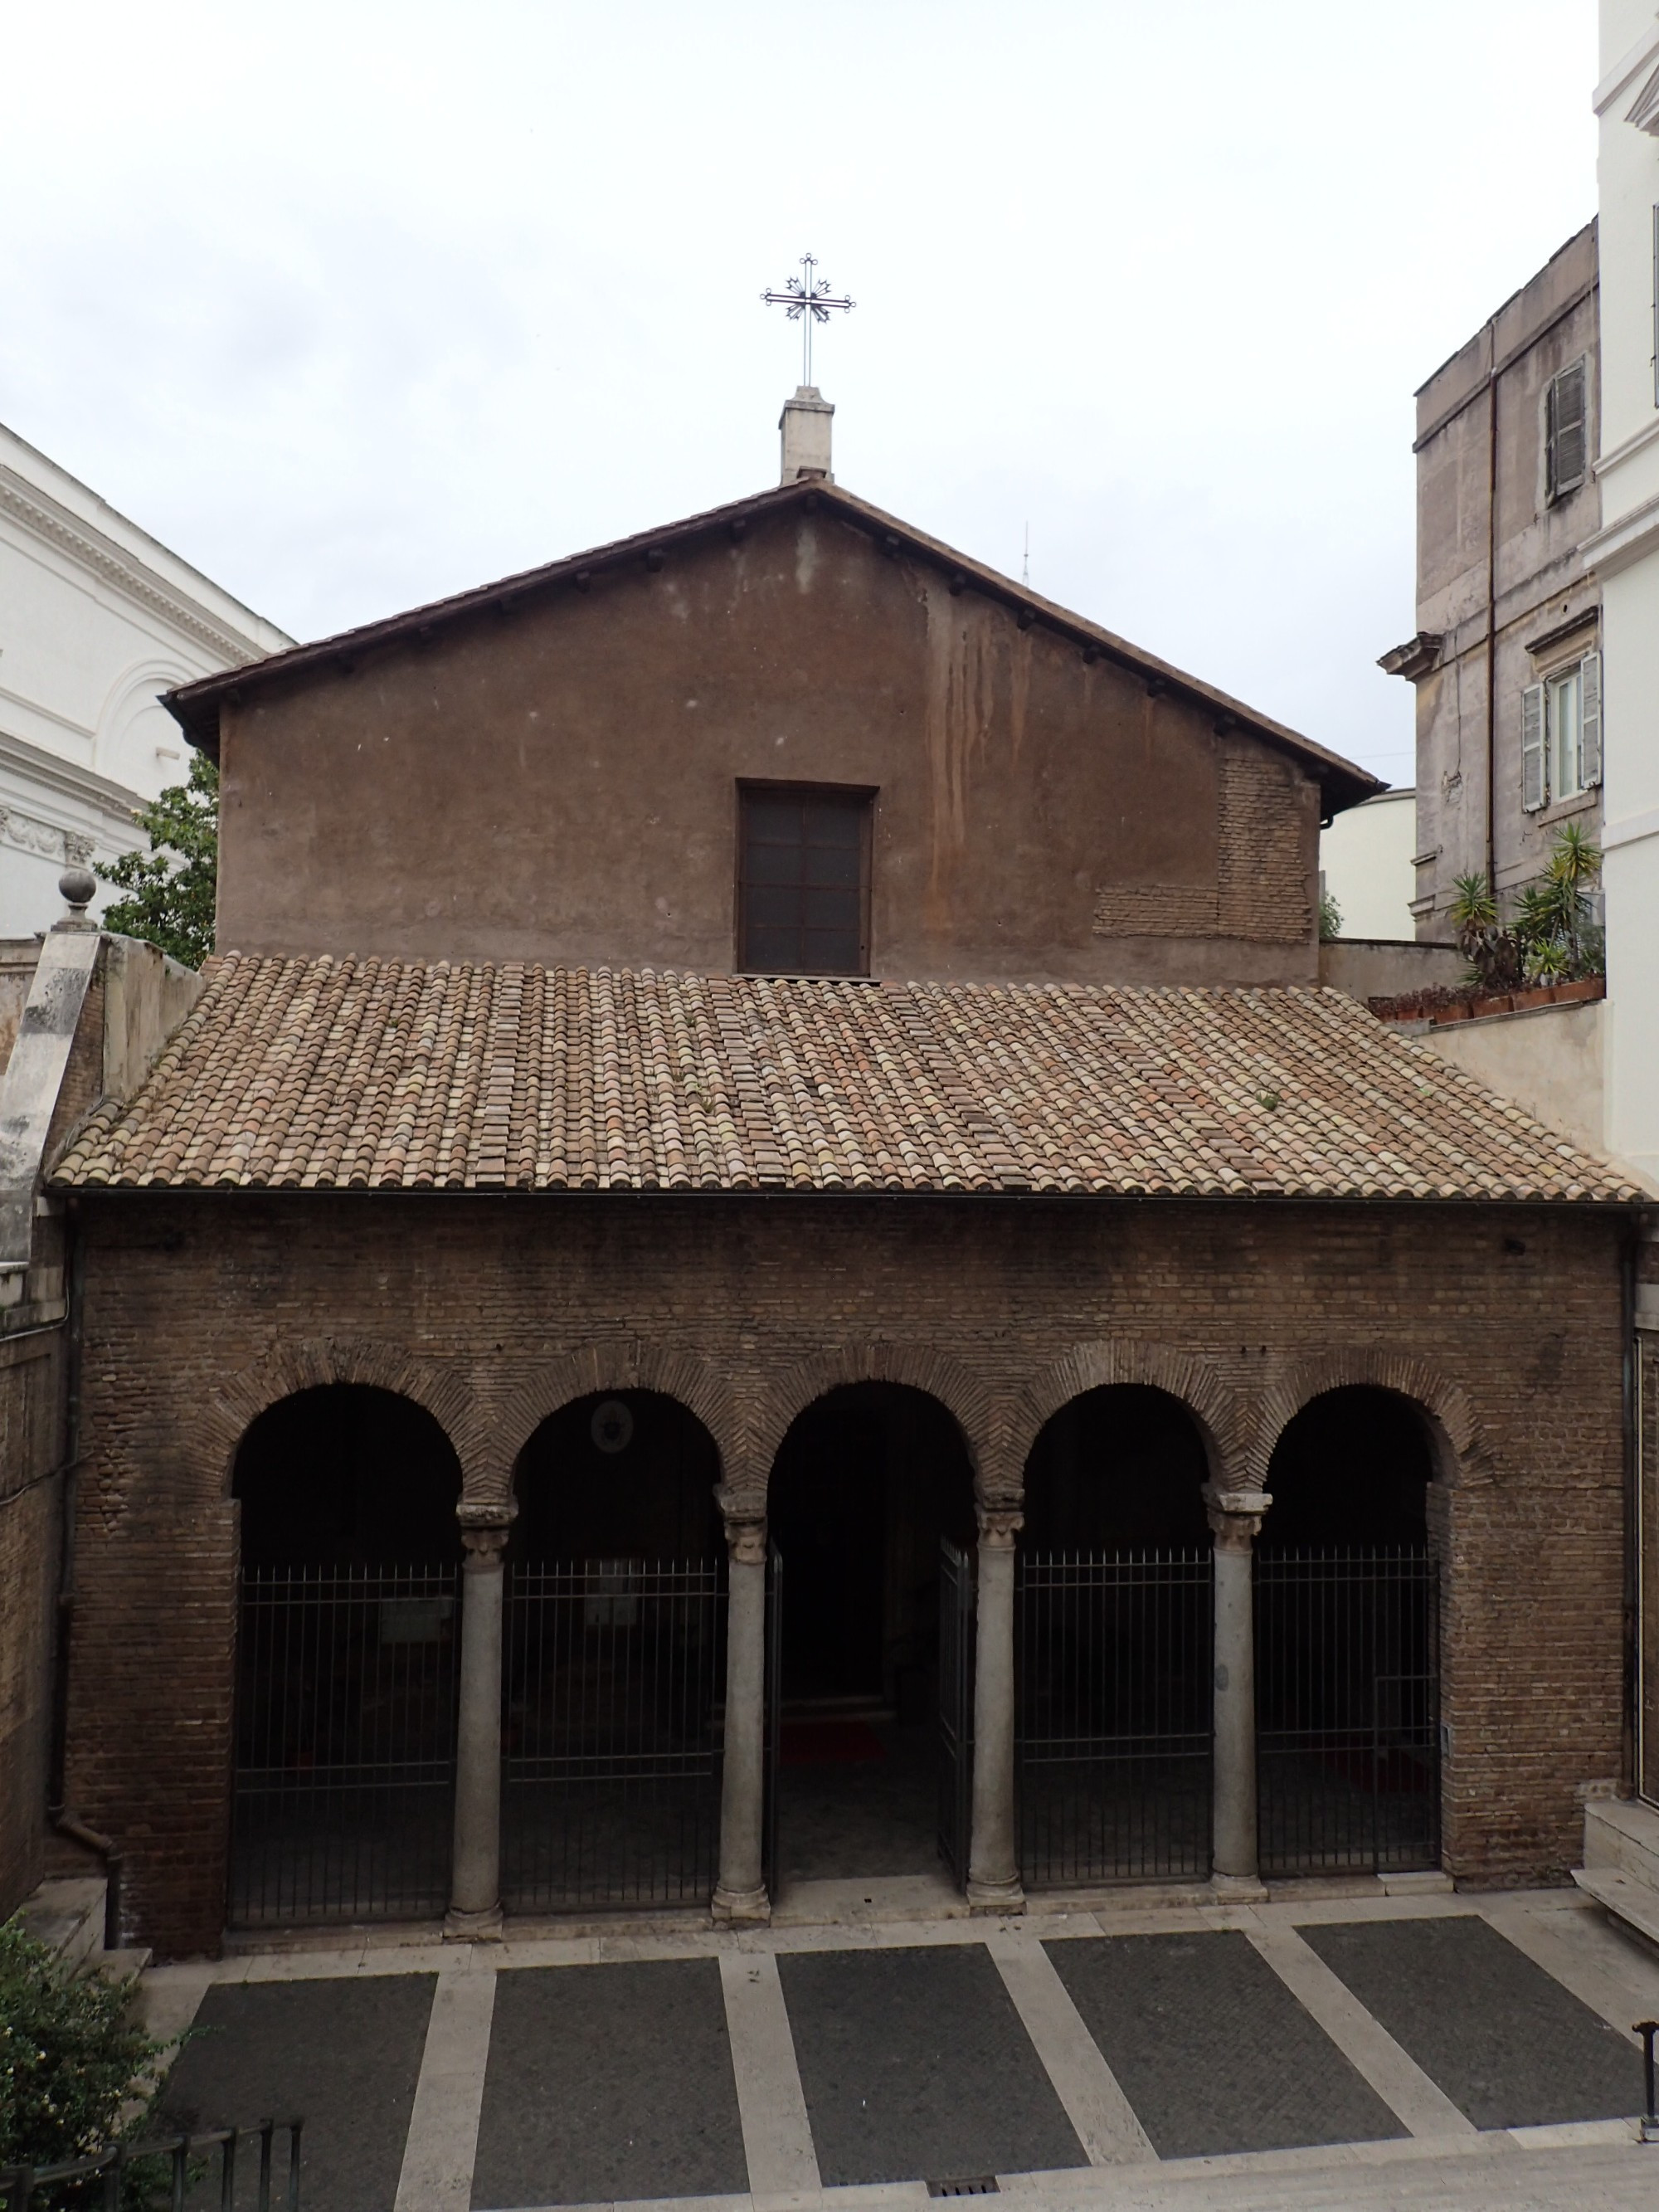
[(803, 880)]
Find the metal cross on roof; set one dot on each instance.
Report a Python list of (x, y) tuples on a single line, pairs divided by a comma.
[(808, 301)]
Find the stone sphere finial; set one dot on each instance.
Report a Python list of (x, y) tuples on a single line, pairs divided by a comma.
[(79, 887)]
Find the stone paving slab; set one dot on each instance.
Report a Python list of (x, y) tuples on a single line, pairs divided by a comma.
[(609, 2081), (1508, 2044), (1211, 2049), (345, 2056), (916, 2066)]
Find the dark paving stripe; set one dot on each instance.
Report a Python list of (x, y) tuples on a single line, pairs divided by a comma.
[(1508, 2044), (1210, 2047), (609, 2081), (345, 2054), (916, 2068)]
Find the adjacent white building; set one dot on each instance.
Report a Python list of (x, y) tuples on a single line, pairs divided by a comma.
[(1365, 864), (1625, 552), (96, 619)]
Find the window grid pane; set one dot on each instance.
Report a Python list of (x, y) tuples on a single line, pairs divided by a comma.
[(802, 884)]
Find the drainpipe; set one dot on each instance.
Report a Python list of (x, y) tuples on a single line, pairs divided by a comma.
[(1491, 628)]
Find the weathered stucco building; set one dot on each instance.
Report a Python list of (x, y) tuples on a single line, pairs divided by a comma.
[(1506, 657), (767, 1085)]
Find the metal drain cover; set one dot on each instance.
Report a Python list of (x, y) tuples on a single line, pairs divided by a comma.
[(971, 2185)]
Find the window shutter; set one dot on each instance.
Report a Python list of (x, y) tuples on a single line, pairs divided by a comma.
[(1568, 429), (1533, 789), (1589, 721)]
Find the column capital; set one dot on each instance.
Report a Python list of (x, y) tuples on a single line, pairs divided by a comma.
[(745, 1541), (485, 1528), (1235, 1515), (998, 1525)]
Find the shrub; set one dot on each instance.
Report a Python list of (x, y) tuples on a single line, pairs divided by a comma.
[(77, 2071)]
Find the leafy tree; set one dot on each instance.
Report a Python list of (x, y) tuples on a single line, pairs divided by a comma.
[(172, 888), (76, 2072), (1330, 918)]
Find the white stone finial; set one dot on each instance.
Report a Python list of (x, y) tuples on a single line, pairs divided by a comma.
[(805, 423)]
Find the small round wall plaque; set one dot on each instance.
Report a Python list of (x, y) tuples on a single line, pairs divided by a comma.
[(612, 1425)]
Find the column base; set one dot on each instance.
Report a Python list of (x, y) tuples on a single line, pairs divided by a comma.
[(463, 1927), (740, 1907), (1239, 1888), (995, 1896)]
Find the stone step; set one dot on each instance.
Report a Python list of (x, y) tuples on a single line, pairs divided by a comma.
[(1633, 1902), (67, 1915), (1621, 1836), (116, 1966)]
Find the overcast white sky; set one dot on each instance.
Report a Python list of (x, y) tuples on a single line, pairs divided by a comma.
[(356, 305)]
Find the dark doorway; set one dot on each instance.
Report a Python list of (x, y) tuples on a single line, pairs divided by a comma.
[(865, 1484), (1114, 1607), (1347, 1642), (343, 1782), (614, 1665)]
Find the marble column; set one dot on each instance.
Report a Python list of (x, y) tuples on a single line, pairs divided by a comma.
[(993, 1883), (475, 1911), (1235, 1517), (740, 1893)]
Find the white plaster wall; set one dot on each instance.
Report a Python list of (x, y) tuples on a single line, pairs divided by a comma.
[(1549, 1059), (1626, 554), (1365, 858), (96, 619)]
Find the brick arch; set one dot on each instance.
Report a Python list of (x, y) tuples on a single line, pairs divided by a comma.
[(1222, 1422), (785, 1396), (1462, 1448), (314, 1363), (614, 1367)]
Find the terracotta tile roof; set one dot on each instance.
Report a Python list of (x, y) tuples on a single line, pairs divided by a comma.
[(378, 1074)]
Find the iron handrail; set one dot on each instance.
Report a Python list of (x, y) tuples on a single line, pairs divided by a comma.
[(19, 2183)]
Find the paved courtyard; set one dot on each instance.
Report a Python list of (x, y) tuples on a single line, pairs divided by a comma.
[(1425, 2050)]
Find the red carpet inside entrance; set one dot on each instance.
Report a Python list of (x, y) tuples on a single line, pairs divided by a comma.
[(828, 1743)]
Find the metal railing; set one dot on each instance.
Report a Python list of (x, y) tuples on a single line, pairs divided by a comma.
[(956, 1597), (1348, 1682), (1114, 1715), (105, 2182), (612, 1689), (344, 1792)]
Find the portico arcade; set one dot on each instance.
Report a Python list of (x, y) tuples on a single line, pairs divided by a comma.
[(1112, 1586)]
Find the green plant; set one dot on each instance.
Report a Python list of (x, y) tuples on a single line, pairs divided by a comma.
[(1495, 954), (77, 2071), (173, 888), (1330, 918), (1575, 865), (1551, 935)]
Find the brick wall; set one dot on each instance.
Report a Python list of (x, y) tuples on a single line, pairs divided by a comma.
[(1259, 895), (31, 1451), (493, 1312)]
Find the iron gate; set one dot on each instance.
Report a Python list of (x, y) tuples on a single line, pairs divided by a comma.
[(956, 1707), (612, 1680), (1347, 1710), (343, 1797), (1114, 1715)]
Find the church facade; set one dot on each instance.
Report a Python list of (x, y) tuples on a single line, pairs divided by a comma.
[(779, 1273)]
